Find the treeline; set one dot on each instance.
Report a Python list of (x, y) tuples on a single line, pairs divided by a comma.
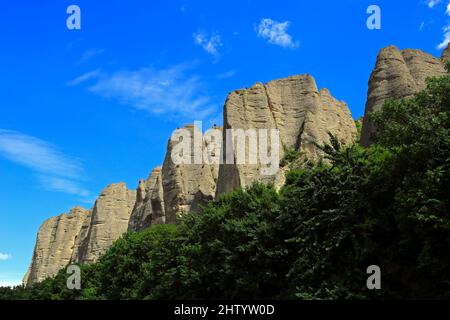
[(386, 205)]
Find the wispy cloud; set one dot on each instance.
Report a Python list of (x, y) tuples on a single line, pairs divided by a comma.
[(209, 43), (421, 26), (227, 75), (84, 77), (63, 185), (88, 55), (446, 39), (276, 33), (444, 43), (432, 3), (54, 170), (5, 256), (170, 92)]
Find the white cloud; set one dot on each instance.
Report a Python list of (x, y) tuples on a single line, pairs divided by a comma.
[(63, 185), (276, 33), (44, 160), (421, 26), (209, 43), (432, 3), (170, 92), (227, 75), (84, 77), (444, 43), (446, 40), (88, 55), (5, 256)]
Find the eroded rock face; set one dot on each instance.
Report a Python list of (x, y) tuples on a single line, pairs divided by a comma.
[(55, 243), (398, 74), (446, 54), (186, 187), (82, 235), (294, 105), (149, 207), (109, 221), (296, 108)]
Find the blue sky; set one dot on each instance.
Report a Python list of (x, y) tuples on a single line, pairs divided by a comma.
[(81, 109)]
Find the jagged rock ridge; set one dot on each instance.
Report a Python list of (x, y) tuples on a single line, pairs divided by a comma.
[(302, 114)]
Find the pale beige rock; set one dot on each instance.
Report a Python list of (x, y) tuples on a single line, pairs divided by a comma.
[(80, 239), (446, 54), (397, 74), (109, 221), (149, 207), (296, 108), (55, 244), (293, 105), (186, 187)]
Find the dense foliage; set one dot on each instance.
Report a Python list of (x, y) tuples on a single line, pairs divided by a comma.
[(386, 205)]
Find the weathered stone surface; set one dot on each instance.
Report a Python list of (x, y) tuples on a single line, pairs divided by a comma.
[(293, 105), (80, 239), (186, 187), (296, 108), (446, 54), (149, 207), (109, 221), (55, 244), (398, 74)]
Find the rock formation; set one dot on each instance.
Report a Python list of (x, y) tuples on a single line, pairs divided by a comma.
[(186, 187), (174, 189), (149, 208), (54, 244), (109, 221), (446, 54), (295, 107), (398, 74), (82, 235)]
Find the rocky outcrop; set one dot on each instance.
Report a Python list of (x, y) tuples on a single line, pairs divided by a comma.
[(302, 114), (109, 221), (82, 235), (55, 243), (446, 54), (294, 106), (186, 187), (398, 74), (174, 188), (149, 208)]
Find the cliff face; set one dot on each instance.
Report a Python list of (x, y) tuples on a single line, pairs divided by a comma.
[(186, 186), (109, 221), (149, 207), (174, 189), (398, 74), (82, 235), (296, 108), (55, 243)]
